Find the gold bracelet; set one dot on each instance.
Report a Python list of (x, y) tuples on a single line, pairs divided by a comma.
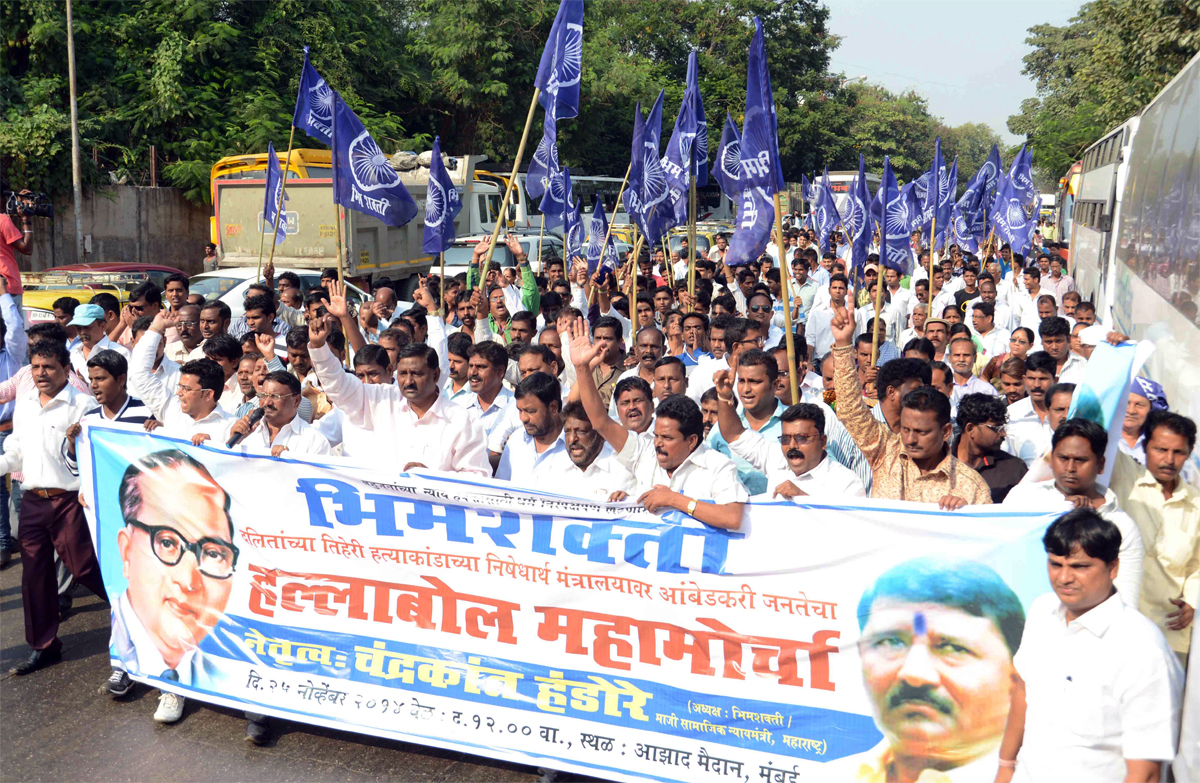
[(691, 508)]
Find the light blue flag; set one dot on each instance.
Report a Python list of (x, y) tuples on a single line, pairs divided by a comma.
[(363, 177), (274, 196), (442, 205), (314, 104)]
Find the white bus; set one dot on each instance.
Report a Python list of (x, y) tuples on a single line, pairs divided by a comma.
[(1153, 284)]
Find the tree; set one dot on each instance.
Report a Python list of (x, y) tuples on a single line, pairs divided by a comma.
[(1098, 70), (971, 142)]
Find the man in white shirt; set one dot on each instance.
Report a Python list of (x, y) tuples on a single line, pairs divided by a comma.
[(1029, 428), (740, 335), (1097, 693), (371, 365), (189, 334), (1055, 334), (817, 331), (594, 472), (489, 402), (798, 466), (534, 456), (674, 469), (962, 357), (1024, 303), (51, 518), (192, 411), (89, 321), (164, 368), (1002, 315), (415, 426), (280, 428), (1077, 459), (983, 324)]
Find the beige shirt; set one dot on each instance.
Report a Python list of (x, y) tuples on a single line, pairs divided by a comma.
[(1171, 536)]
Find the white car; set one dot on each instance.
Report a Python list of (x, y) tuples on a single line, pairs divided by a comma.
[(230, 285)]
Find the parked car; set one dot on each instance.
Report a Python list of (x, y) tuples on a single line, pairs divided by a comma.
[(230, 285), (82, 282)]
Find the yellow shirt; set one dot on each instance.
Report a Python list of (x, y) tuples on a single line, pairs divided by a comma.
[(874, 765), (1171, 566)]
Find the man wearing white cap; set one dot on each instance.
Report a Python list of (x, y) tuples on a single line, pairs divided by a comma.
[(89, 321)]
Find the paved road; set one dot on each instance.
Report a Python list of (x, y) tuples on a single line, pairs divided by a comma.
[(57, 727)]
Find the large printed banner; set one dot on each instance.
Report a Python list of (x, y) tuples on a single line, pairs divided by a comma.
[(816, 643)]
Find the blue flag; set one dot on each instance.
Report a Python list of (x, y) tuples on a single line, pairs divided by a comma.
[(972, 208), (894, 222), (825, 213), (756, 218), (729, 153), (562, 62), (314, 104), (687, 151), (543, 166), (274, 197), (597, 233), (648, 201), (931, 190), (761, 167), (945, 217), (963, 233), (1013, 213), (857, 221), (442, 205), (363, 177), (572, 222), (554, 200)]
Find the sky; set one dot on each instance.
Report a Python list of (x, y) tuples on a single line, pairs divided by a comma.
[(964, 56)]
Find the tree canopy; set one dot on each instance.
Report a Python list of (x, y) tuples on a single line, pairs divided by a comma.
[(202, 79), (1099, 70)]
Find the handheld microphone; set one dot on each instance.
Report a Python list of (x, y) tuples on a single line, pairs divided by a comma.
[(255, 415)]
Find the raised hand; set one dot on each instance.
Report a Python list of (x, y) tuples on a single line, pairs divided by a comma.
[(514, 246), (266, 345), (723, 380), (842, 323), (318, 333), (337, 307), (163, 321), (583, 351), (422, 296), (268, 273)]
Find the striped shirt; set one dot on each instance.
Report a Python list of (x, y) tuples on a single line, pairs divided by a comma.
[(134, 411)]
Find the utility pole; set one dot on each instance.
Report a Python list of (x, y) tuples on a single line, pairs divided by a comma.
[(76, 168)]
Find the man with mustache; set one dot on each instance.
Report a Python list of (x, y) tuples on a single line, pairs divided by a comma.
[(280, 428), (937, 642), (594, 471), (676, 469), (534, 454), (416, 425)]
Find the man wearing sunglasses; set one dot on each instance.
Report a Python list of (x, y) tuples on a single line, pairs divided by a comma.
[(178, 558), (761, 309), (981, 424)]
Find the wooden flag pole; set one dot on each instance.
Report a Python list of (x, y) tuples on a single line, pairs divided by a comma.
[(282, 194), (667, 262), (787, 307), (932, 240), (692, 240), (542, 233), (878, 318), (261, 240), (608, 234), (442, 286), (512, 181)]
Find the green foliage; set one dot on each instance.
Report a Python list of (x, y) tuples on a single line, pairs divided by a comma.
[(204, 79), (1100, 69)]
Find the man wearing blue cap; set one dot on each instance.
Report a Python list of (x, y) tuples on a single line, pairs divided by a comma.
[(89, 320)]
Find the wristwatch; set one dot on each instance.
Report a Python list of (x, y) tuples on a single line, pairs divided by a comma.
[(691, 508)]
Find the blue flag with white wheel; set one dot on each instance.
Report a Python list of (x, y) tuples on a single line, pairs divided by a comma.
[(597, 234), (945, 217), (894, 221), (687, 151), (825, 213), (442, 205), (761, 167), (728, 165), (857, 221), (647, 191), (572, 222), (1013, 213), (562, 62), (961, 227), (543, 166), (314, 104), (981, 187), (363, 177), (274, 197)]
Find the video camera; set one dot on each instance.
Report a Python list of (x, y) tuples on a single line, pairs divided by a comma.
[(27, 203)]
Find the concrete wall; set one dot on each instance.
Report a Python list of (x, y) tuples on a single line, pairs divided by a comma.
[(125, 224)]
